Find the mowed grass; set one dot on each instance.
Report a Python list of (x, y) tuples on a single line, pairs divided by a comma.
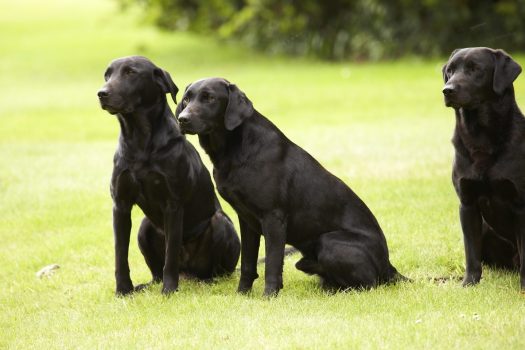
[(381, 127)]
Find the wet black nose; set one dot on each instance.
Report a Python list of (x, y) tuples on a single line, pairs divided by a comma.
[(184, 119), (102, 93), (449, 90)]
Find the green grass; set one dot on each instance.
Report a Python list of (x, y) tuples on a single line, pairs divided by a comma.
[(381, 127)]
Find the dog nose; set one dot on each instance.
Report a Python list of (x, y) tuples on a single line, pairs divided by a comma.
[(184, 118), (449, 90), (102, 93)]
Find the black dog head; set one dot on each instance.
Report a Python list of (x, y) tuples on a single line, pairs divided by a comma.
[(134, 82), (211, 104), (476, 75)]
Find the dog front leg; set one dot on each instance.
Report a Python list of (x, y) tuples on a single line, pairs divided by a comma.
[(521, 247), (173, 231), (470, 218), (274, 229), (121, 233), (250, 241)]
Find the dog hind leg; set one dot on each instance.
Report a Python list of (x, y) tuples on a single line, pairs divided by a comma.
[(345, 264), (497, 251), (153, 247), (226, 246)]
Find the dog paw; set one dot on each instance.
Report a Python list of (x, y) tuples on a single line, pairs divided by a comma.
[(124, 285), (244, 289), (308, 266), (122, 292), (470, 281), (142, 287), (169, 290), (270, 292), (245, 286)]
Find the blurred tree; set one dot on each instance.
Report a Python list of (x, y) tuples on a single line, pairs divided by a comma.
[(341, 29)]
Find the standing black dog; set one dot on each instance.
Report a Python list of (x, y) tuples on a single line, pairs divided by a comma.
[(489, 166), (280, 191), (155, 167)]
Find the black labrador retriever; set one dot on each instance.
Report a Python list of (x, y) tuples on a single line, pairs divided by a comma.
[(489, 165), (155, 167), (280, 191)]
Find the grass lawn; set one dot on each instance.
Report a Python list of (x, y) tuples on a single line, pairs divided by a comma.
[(381, 127)]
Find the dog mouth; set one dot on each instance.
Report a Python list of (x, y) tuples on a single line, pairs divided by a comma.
[(115, 108), (187, 129), (450, 102), (456, 101), (194, 128), (109, 108)]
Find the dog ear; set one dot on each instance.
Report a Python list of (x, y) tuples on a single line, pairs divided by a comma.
[(180, 106), (163, 79), (506, 70), (239, 108)]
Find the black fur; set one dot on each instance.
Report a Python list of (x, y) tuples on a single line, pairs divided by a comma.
[(155, 167), (280, 191), (489, 165)]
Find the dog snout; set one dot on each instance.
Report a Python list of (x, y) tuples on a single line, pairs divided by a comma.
[(184, 118), (449, 89), (103, 93)]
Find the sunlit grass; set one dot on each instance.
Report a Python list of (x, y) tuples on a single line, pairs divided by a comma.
[(381, 127)]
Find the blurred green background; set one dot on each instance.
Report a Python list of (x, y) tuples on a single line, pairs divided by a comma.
[(380, 126), (342, 29)]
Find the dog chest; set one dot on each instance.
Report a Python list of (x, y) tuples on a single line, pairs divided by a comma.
[(497, 199), (151, 185), (233, 196), (155, 187), (244, 202), (125, 188)]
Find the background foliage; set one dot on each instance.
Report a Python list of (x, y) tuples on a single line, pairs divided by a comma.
[(342, 29)]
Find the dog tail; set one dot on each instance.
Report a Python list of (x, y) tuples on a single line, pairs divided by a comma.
[(396, 277)]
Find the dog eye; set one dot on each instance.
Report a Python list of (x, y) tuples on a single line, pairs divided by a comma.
[(128, 71), (185, 101), (107, 74), (206, 97), (471, 67)]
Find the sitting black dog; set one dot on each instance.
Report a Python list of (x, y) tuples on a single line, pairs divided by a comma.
[(155, 167), (489, 165), (280, 191)]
